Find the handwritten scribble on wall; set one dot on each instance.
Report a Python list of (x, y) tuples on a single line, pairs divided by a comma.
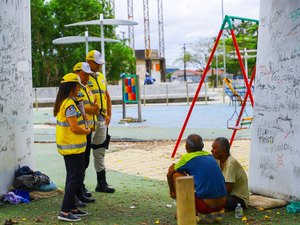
[(275, 153)]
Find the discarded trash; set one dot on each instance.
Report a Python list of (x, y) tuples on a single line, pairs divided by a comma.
[(293, 207), (169, 206), (132, 207)]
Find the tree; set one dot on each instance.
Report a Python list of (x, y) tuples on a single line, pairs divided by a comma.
[(122, 56), (246, 35), (50, 62), (42, 29), (200, 51)]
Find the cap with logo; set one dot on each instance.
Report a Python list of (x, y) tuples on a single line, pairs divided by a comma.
[(71, 77), (85, 67), (96, 56)]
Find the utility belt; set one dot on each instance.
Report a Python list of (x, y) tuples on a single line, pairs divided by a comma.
[(105, 144)]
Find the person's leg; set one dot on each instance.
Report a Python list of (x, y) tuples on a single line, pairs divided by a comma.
[(99, 155), (172, 182), (74, 166), (232, 201), (87, 154), (203, 208)]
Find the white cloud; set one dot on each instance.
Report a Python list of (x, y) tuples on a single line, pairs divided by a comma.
[(185, 21)]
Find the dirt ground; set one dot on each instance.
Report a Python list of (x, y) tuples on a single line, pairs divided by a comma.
[(152, 159)]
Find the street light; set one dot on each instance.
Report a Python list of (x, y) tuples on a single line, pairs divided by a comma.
[(103, 22), (184, 63)]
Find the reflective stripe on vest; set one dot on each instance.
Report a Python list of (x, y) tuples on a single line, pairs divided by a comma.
[(88, 100), (98, 87), (71, 147), (66, 124), (69, 143)]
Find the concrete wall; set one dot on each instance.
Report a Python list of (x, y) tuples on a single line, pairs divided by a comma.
[(275, 155), (16, 133)]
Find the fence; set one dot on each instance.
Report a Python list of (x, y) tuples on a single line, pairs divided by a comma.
[(156, 93)]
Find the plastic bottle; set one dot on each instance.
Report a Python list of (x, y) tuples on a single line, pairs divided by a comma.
[(238, 211)]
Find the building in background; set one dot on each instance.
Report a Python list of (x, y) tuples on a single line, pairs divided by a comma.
[(141, 65)]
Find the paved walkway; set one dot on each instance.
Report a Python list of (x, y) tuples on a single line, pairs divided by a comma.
[(152, 159), (144, 155)]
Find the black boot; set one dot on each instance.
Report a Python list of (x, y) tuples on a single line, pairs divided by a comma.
[(102, 185), (79, 203), (83, 189), (85, 199)]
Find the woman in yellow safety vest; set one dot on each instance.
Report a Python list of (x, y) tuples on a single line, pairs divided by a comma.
[(71, 143)]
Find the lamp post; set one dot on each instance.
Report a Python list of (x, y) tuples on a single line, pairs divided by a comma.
[(224, 53), (184, 63)]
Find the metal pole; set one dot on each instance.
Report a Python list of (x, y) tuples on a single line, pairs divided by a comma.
[(246, 61), (197, 93), (184, 64), (123, 99), (242, 66), (224, 54), (243, 106), (205, 90), (167, 94), (36, 101), (139, 100), (102, 44), (144, 93), (187, 93), (217, 69), (86, 34)]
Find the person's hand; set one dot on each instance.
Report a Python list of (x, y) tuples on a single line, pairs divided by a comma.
[(95, 110), (85, 117), (88, 130), (172, 194), (107, 120), (171, 170)]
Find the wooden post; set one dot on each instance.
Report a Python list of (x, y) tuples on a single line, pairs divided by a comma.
[(185, 201)]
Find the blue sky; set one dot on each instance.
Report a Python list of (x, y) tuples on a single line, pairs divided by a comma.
[(185, 21)]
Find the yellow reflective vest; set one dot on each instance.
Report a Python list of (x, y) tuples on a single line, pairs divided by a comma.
[(97, 84), (69, 143), (85, 95)]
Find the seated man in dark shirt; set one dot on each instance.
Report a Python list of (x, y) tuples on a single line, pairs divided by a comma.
[(210, 190)]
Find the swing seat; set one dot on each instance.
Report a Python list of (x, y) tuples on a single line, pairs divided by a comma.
[(237, 128), (245, 124)]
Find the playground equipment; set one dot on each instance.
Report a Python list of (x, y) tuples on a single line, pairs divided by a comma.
[(236, 93), (131, 95), (232, 92), (227, 21)]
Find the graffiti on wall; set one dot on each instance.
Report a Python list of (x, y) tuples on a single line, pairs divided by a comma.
[(275, 153), (15, 84)]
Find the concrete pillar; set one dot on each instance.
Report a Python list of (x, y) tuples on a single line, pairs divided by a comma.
[(16, 133)]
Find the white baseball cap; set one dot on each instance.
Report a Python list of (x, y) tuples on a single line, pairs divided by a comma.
[(96, 56), (85, 67)]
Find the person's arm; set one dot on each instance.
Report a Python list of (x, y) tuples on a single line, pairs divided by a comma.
[(108, 115), (94, 110), (75, 128), (170, 180), (229, 187)]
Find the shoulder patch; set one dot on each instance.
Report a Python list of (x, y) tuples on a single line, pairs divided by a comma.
[(80, 94)]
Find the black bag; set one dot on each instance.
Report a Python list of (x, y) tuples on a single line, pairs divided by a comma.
[(24, 170)]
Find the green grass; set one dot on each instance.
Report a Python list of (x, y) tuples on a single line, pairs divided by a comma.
[(136, 201), (149, 198)]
